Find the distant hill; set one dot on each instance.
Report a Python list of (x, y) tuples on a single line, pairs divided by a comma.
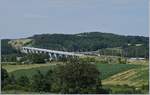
[(88, 41)]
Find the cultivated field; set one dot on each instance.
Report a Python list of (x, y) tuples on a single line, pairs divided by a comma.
[(133, 77), (11, 68), (106, 70)]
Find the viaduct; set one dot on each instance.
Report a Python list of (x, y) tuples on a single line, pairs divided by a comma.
[(53, 54)]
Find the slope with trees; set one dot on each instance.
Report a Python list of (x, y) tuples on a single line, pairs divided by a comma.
[(131, 46)]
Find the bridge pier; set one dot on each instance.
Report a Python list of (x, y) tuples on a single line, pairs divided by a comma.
[(55, 56), (50, 56)]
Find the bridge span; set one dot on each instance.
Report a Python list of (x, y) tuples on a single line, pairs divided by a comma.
[(53, 54)]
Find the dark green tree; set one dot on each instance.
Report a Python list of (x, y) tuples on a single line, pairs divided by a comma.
[(77, 77), (35, 58), (12, 79), (41, 82), (37, 82), (4, 77), (23, 81)]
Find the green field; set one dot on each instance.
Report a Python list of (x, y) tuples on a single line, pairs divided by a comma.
[(133, 77), (118, 77), (106, 70), (30, 72), (11, 68)]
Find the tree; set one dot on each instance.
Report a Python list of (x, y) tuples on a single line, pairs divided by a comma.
[(35, 58), (41, 83), (12, 79), (48, 81), (77, 77), (4, 77), (37, 82), (23, 81)]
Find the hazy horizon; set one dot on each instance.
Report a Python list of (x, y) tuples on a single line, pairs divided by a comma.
[(25, 18), (71, 34)]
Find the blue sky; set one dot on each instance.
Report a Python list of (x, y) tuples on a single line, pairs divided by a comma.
[(24, 18)]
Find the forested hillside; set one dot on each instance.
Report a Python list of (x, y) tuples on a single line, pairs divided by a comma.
[(90, 41), (7, 48)]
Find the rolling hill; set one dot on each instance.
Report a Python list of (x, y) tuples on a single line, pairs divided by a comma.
[(88, 41)]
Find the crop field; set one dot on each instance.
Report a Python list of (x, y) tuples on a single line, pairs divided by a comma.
[(106, 70), (133, 77), (30, 72), (11, 68)]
